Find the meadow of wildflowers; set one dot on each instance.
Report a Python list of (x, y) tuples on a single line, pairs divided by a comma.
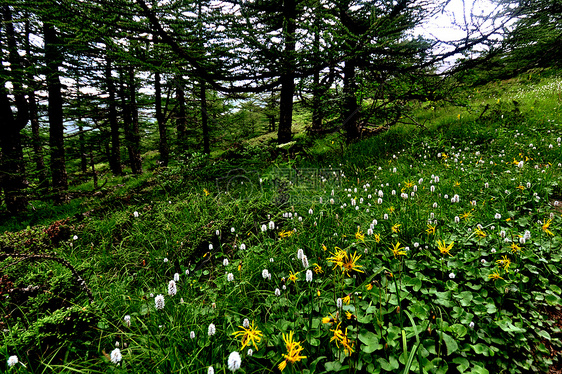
[(440, 253)]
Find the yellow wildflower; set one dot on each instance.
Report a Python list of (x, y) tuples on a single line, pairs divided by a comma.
[(249, 335), (479, 233), (443, 248), (318, 269), (350, 263), (396, 227), (391, 209), (293, 351), (504, 262), (495, 276), (520, 187), (207, 193), (293, 277), (331, 319), (347, 299), (359, 235), (430, 229), (545, 227), (466, 215), (515, 248), (286, 234), (341, 338), (338, 258), (397, 250), (457, 184), (369, 287), (377, 238)]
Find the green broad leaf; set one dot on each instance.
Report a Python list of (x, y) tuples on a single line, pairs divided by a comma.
[(491, 308), (459, 330), (462, 362), (480, 349), (366, 319), (370, 342), (440, 365), (523, 221), (555, 288), (313, 342), (390, 365), (544, 334), (552, 299), (444, 299), (332, 366), (450, 343), (465, 298), (506, 325), (474, 287), (416, 284)]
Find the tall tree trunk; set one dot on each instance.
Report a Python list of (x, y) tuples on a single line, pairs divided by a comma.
[(53, 60), (317, 91), (12, 164), (287, 78), (204, 118), (181, 122), (131, 121), (115, 155), (84, 158), (162, 131), (40, 169), (350, 107), (42, 172)]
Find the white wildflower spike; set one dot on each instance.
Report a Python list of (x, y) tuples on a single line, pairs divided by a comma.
[(116, 356), (211, 330), (234, 361), (159, 302), (172, 288)]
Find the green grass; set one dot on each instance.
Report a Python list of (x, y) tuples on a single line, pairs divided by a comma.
[(414, 271)]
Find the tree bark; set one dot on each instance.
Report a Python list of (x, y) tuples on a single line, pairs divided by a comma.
[(53, 60), (181, 122), (287, 77), (41, 170), (131, 119), (12, 165), (204, 118), (115, 155), (162, 131), (350, 107)]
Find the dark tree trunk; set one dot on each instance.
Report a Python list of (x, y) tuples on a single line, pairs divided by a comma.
[(350, 107), (181, 122), (53, 60), (115, 156), (317, 113), (131, 119), (317, 91), (163, 144), (204, 118), (12, 165), (41, 170), (287, 78), (83, 155)]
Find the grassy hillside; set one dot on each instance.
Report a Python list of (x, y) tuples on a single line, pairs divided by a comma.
[(432, 250)]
